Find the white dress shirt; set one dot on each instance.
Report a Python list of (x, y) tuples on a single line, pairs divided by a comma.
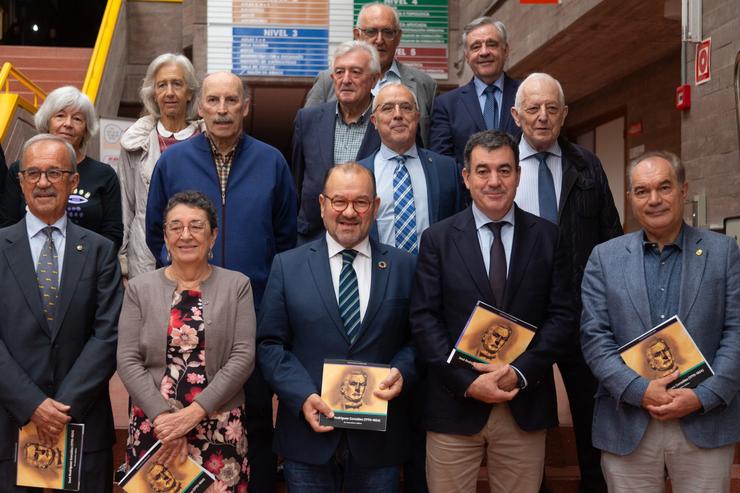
[(384, 168), (37, 238), (527, 194), (362, 265), (480, 88)]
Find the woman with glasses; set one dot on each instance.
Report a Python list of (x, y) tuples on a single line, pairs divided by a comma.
[(186, 342), (96, 202)]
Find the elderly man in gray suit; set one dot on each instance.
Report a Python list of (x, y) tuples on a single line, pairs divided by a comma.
[(635, 282), (379, 25)]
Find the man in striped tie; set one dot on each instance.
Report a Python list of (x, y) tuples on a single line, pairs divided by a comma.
[(343, 296)]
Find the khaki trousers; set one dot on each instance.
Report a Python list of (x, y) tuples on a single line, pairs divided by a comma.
[(514, 458), (664, 446)]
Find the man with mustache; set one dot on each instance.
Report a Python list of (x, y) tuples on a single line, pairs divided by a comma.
[(336, 131), (58, 332), (484, 102), (250, 184)]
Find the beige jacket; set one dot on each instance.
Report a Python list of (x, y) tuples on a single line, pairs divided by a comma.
[(228, 312)]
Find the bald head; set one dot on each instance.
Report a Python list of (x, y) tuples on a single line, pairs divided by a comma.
[(223, 105), (540, 110)]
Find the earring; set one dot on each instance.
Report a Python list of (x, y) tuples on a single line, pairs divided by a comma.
[(210, 254), (169, 259)]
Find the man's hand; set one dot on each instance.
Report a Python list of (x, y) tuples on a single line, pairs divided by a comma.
[(507, 381), (171, 426), (486, 388), (656, 393), (312, 407), (391, 386), (50, 418), (173, 453), (684, 403)]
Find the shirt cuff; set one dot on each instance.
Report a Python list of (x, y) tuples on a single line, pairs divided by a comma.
[(522, 382)]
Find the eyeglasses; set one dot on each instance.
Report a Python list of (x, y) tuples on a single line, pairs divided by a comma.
[(177, 228), (52, 175), (371, 32), (389, 108), (340, 204)]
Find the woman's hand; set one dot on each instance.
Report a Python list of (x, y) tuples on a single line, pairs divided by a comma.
[(171, 426), (172, 453)]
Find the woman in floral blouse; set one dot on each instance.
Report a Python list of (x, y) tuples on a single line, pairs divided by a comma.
[(186, 347)]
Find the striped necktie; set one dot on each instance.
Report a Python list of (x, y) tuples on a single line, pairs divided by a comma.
[(349, 295), (47, 273), (404, 210)]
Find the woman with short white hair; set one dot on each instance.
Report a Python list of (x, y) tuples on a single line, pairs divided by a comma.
[(168, 93)]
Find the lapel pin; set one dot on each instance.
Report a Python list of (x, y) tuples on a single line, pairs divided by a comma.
[(382, 264), (699, 252), (79, 248)]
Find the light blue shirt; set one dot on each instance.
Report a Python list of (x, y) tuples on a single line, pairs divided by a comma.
[(485, 235), (384, 168), (527, 194), (37, 238), (391, 75), (480, 88)]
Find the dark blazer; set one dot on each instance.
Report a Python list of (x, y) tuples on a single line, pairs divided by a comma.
[(299, 326), (456, 116), (451, 278), (70, 360), (444, 187), (313, 155)]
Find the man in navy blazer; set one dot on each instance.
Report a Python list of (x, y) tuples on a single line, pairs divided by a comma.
[(56, 356), (334, 132), (300, 324), (635, 282), (460, 113), (434, 179), (519, 264)]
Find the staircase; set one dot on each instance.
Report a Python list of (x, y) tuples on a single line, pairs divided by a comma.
[(47, 67)]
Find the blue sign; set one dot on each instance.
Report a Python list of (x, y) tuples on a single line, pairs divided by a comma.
[(279, 51)]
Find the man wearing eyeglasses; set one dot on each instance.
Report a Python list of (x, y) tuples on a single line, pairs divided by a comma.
[(379, 25), (343, 296), (58, 333)]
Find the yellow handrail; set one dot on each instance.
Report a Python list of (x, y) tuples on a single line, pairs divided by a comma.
[(5, 74), (102, 47), (10, 101)]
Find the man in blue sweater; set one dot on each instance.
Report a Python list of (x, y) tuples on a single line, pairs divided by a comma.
[(251, 186)]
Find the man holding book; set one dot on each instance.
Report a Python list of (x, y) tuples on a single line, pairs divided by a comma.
[(494, 252), (636, 282)]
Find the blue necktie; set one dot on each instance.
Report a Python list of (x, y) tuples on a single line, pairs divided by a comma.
[(47, 273), (490, 109), (349, 295), (546, 190), (404, 210)]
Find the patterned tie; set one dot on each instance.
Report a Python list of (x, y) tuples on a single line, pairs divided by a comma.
[(47, 273), (546, 190), (490, 108), (404, 210), (497, 264), (349, 295)]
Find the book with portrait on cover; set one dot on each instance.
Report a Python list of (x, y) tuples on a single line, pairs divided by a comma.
[(57, 467), (347, 386), (491, 336), (665, 348), (151, 476)]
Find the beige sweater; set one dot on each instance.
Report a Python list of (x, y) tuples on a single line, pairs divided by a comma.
[(230, 325)]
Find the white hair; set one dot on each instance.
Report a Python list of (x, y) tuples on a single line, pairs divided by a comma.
[(537, 76), (67, 97), (147, 86), (355, 45)]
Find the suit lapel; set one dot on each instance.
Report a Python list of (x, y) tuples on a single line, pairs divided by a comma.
[(75, 255), (378, 283), (20, 261), (692, 271), (569, 179), (526, 237), (432, 185), (507, 101), (327, 120), (318, 262), (370, 141), (407, 79), (472, 105), (466, 241), (634, 279)]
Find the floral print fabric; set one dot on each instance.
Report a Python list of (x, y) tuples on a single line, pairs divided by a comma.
[(219, 442)]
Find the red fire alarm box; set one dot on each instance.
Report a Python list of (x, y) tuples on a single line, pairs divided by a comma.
[(683, 97)]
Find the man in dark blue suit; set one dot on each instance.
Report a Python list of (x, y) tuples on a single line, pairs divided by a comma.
[(334, 132), (434, 180), (61, 288), (497, 253), (305, 319), (485, 102)]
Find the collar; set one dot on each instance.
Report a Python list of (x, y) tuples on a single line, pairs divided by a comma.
[(214, 149), (481, 219), (183, 134), (34, 225), (365, 114), (678, 242), (527, 151), (387, 153), (393, 69), (480, 86), (363, 247)]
